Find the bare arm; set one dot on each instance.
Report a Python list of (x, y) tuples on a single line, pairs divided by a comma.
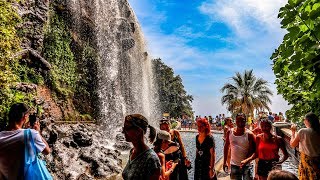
[(252, 144), (283, 149), (294, 141), (226, 148), (46, 150), (163, 164), (183, 150), (212, 161)]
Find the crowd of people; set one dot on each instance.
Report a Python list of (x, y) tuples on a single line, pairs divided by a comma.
[(166, 158), (242, 146), (219, 121)]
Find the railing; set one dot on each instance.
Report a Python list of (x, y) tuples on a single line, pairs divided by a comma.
[(283, 130)]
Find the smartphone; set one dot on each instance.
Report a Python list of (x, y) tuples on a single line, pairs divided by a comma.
[(32, 119), (177, 161)]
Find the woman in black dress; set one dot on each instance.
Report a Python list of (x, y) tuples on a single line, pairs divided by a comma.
[(205, 157)]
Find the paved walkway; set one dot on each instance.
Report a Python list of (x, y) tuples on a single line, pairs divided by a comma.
[(220, 172)]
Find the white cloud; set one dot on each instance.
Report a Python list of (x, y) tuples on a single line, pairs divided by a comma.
[(245, 16), (256, 33)]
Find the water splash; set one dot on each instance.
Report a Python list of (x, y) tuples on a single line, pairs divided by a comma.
[(125, 70)]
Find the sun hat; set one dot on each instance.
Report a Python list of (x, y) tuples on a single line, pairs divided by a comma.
[(164, 135)]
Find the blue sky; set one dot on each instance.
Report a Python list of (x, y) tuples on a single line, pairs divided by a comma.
[(207, 41)]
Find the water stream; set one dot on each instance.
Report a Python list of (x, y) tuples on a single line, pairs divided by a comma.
[(125, 76)]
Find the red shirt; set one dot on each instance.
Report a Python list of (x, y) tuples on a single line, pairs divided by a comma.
[(268, 150)]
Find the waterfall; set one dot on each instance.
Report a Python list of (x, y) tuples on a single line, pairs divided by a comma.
[(125, 69)]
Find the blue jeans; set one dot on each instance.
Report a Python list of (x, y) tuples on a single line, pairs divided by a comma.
[(238, 173)]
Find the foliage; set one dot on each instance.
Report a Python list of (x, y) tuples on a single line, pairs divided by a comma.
[(174, 125), (9, 45), (246, 94), (62, 77), (85, 94), (296, 62), (172, 96)]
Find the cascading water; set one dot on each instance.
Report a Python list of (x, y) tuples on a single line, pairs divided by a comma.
[(124, 68)]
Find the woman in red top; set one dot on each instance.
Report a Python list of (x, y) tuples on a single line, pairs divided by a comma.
[(267, 150)]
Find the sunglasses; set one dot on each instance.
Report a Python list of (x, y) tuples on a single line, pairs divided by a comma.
[(164, 122), (127, 128)]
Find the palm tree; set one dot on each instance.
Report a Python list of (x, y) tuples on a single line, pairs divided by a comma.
[(246, 94)]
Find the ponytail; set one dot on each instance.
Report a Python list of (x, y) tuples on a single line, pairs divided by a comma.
[(152, 133)]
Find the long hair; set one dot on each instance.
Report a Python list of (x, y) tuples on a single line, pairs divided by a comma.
[(314, 121), (140, 121), (205, 123)]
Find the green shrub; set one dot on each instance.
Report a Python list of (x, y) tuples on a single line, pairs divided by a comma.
[(62, 77)]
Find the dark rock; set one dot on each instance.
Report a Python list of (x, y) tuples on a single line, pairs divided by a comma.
[(120, 137), (25, 87), (122, 145), (82, 139), (133, 29), (53, 137), (74, 145), (128, 14), (67, 144), (127, 44)]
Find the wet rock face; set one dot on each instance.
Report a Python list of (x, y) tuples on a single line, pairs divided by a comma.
[(121, 144), (82, 139), (81, 152)]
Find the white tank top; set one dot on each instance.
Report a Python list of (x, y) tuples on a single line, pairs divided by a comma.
[(239, 147)]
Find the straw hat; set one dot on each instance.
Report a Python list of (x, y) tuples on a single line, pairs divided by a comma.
[(164, 135)]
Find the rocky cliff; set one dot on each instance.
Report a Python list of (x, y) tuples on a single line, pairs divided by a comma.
[(80, 72)]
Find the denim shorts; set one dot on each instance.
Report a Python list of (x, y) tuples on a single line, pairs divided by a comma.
[(245, 173)]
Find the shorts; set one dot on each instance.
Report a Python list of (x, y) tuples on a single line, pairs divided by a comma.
[(245, 173), (265, 166)]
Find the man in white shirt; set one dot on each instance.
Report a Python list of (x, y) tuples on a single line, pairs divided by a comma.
[(12, 143), (242, 144)]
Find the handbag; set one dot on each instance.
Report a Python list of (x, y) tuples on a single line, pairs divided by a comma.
[(34, 168)]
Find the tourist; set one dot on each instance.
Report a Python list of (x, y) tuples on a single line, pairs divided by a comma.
[(162, 143), (227, 127), (309, 148), (205, 152), (176, 137), (143, 162), (281, 118), (267, 150), (281, 175), (12, 146), (270, 117), (242, 144), (249, 123), (276, 118)]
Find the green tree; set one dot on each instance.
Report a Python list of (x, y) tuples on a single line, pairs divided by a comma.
[(296, 62), (246, 93), (172, 95)]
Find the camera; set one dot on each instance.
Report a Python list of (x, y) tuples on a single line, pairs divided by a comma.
[(32, 119)]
